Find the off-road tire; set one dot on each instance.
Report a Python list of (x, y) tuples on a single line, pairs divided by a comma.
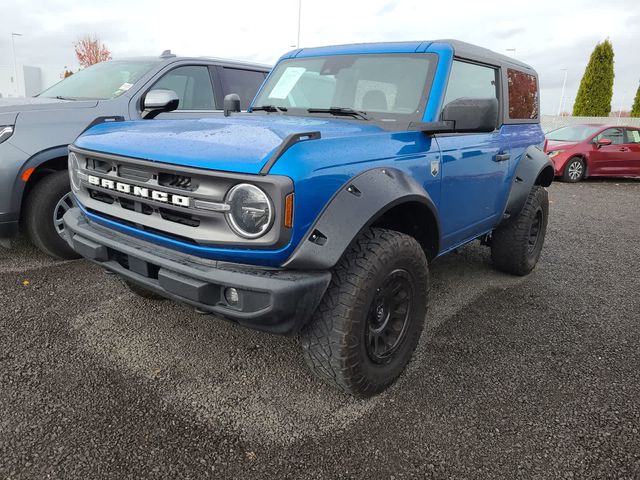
[(575, 162), (141, 291), (334, 342), (38, 215), (513, 249)]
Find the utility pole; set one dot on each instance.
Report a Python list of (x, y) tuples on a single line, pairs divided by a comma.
[(564, 84), (15, 66)]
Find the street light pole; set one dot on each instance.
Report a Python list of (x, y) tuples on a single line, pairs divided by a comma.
[(564, 84), (15, 66), (299, 18)]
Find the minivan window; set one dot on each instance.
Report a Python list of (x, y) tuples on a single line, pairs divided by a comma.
[(523, 95), (243, 82), (101, 81), (192, 83), (470, 80)]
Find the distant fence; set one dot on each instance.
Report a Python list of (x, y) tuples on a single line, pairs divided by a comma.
[(551, 122)]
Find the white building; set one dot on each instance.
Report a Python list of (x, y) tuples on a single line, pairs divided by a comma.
[(30, 81)]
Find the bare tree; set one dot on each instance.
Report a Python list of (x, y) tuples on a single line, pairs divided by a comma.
[(90, 50)]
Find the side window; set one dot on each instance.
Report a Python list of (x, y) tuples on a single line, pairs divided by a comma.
[(192, 83), (633, 136), (243, 82), (523, 95), (471, 80), (616, 135)]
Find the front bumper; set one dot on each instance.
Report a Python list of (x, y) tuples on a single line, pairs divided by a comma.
[(278, 301)]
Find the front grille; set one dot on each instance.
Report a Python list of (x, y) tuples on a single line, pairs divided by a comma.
[(175, 181), (179, 217), (101, 196), (166, 199)]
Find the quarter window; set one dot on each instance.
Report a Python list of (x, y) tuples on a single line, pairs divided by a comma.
[(471, 80), (192, 84), (523, 95)]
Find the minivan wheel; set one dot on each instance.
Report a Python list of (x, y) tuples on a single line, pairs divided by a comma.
[(369, 321), (517, 245), (574, 170), (45, 206)]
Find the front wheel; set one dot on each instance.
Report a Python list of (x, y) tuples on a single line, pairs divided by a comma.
[(369, 321), (574, 170), (516, 246), (47, 203)]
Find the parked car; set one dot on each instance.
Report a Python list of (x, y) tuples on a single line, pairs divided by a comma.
[(35, 132), (589, 150), (317, 211)]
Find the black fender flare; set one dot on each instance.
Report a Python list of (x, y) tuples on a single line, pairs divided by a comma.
[(34, 162), (534, 168), (353, 208)]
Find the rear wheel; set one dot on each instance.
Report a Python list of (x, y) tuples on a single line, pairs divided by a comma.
[(516, 246), (368, 324), (47, 203), (574, 170)]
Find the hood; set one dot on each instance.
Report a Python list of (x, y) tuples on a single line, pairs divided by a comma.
[(241, 143), (17, 105), (551, 145)]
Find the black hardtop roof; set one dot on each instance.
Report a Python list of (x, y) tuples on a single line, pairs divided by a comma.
[(474, 52)]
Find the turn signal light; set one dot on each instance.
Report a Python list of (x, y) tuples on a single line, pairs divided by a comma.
[(26, 174), (288, 211)]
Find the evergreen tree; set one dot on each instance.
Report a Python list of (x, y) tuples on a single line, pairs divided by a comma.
[(635, 110), (596, 86)]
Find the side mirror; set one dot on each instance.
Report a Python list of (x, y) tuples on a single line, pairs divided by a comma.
[(472, 114), (157, 101), (603, 142), (231, 104)]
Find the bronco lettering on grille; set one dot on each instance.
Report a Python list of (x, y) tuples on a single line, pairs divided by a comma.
[(143, 192)]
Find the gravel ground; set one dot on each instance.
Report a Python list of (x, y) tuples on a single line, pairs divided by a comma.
[(514, 378)]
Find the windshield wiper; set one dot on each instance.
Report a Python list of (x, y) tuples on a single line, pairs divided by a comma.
[(60, 97), (341, 111), (269, 108)]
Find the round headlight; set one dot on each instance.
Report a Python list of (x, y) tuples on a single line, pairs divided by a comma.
[(250, 214), (74, 171)]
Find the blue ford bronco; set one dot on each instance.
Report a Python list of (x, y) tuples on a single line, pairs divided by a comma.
[(317, 212)]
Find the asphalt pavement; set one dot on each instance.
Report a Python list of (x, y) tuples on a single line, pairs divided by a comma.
[(535, 377)]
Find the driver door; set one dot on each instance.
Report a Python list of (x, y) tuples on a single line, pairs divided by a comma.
[(608, 159), (474, 166)]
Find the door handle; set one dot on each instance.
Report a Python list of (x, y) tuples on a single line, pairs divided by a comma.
[(624, 149), (502, 157)]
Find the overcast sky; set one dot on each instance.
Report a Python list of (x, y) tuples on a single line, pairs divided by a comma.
[(548, 34)]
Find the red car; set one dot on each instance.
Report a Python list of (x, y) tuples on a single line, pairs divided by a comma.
[(580, 151)]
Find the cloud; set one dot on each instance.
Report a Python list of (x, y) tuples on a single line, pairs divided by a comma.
[(512, 32), (547, 34)]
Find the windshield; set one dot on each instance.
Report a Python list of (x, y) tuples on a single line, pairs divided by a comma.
[(386, 87), (575, 133), (101, 81)]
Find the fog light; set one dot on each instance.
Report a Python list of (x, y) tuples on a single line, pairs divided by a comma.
[(232, 296)]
